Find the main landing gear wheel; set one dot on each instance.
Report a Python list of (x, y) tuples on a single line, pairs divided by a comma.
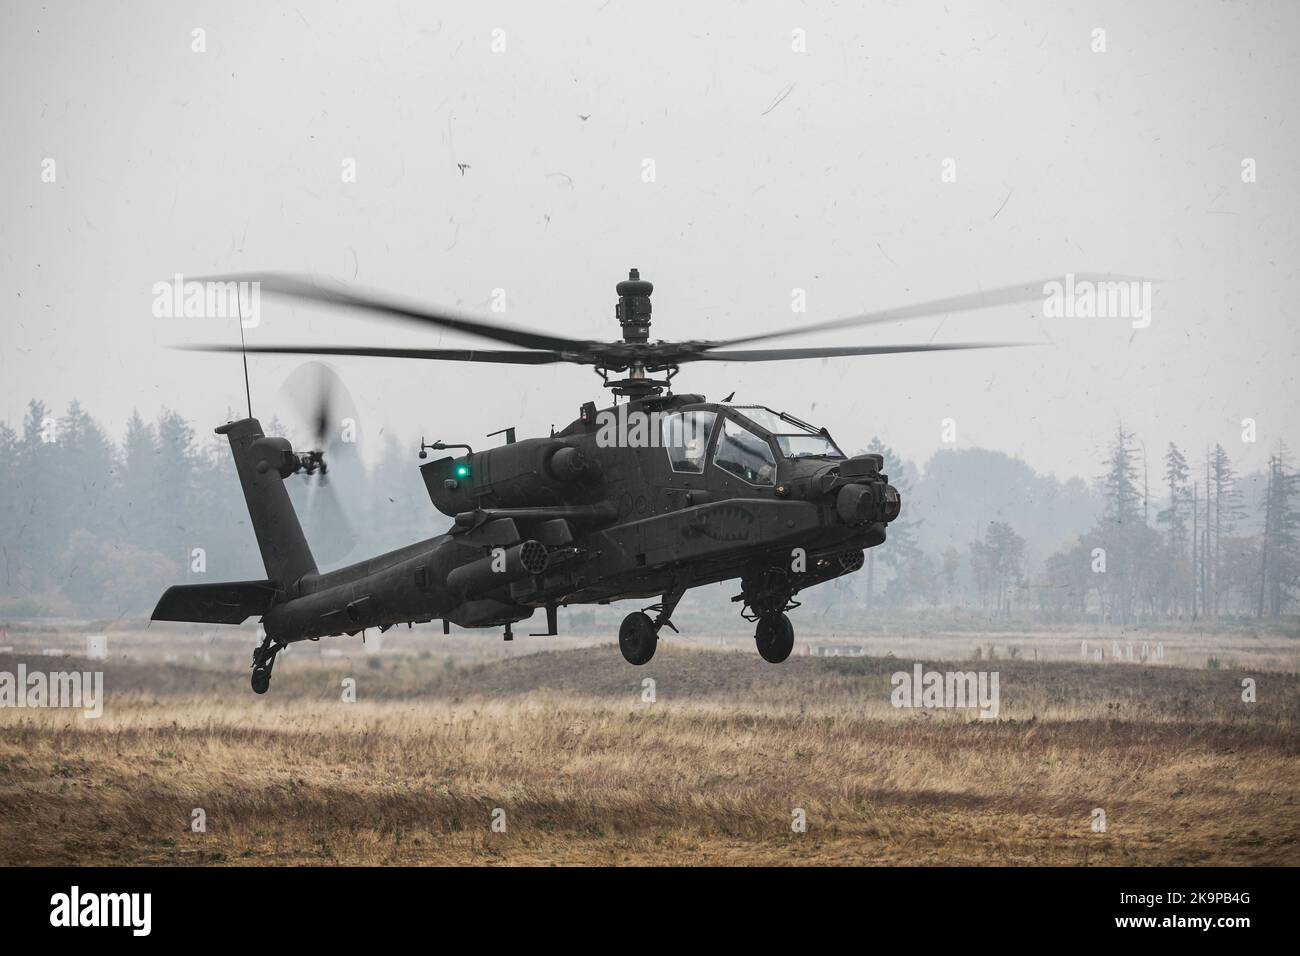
[(637, 638), (774, 637)]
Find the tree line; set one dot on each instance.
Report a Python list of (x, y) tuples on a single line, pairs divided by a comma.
[(1188, 549), (93, 527), (90, 527)]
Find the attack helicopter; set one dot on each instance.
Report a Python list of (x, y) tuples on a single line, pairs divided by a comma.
[(642, 499)]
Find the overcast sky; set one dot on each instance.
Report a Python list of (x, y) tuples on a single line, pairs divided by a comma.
[(774, 170)]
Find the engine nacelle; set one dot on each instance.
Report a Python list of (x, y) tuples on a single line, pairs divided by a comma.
[(529, 473)]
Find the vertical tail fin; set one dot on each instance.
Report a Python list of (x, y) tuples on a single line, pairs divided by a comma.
[(263, 463)]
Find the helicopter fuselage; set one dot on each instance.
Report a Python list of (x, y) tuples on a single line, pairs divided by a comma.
[(651, 498)]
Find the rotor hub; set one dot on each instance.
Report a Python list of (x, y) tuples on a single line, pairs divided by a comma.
[(633, 314), (633, 309)]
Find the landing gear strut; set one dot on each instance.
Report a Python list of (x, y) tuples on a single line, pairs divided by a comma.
[(263, 661), (639, 635), (766, 595)]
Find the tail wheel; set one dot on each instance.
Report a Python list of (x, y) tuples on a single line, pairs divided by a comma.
[(263, 661), (261, 680), (637, 638), (774, 637)]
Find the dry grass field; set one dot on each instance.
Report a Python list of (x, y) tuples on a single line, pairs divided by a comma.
[(586, 770)]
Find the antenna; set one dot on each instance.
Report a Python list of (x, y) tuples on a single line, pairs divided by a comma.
[(239, 308)]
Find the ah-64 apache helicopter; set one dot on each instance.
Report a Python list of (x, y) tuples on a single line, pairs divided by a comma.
[(707, 492)]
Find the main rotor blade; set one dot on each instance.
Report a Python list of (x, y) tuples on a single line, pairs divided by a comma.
[(506, 356), (302, 287), (1007, 295), (779, 355)]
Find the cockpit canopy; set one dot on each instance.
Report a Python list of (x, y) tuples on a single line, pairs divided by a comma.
[(746, 444), (795, 438)]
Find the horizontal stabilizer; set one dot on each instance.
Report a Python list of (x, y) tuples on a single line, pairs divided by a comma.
[(232, 602)]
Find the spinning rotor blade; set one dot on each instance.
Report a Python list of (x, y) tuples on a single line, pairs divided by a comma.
[(317, 394), (541, 349), (778, 355), (506, 356), (324, 517), (300, 287), (1007, 295), (319, 398), (650, 352)]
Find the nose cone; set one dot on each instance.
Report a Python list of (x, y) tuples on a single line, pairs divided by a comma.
[(892, 504)]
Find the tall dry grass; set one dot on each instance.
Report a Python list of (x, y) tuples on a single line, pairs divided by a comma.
[(711, 772)]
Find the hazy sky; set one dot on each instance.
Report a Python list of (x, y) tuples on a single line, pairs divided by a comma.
[(1067, 160)]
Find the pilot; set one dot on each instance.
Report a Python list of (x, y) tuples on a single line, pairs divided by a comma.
[(695, 451)]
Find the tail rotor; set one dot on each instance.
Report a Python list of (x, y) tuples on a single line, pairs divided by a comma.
[(316, 393)]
